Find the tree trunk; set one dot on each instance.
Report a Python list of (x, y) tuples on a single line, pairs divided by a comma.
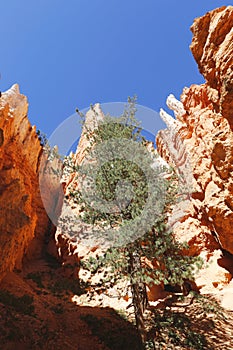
[(139, 295)]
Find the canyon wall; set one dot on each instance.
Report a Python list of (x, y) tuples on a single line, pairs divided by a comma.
[(71, 245), (202, 136), (198, 141), (23, 220)]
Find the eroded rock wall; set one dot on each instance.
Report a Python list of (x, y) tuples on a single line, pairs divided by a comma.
[(202, 135), (212, 48), (70, 232), (23, 220)]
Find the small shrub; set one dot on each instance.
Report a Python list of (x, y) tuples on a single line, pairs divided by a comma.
[(122, 314), (209, 306), (195, 340), (176, 328)]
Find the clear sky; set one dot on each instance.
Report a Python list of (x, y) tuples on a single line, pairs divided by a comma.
[(73, 53)]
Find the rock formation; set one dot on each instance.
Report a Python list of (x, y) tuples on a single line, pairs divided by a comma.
[(212, 48), (202, 136), (69, 239), (23, 220), (199, 142)]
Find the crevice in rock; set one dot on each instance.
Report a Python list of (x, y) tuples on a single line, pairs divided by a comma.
[(226, 261), (1, 137)]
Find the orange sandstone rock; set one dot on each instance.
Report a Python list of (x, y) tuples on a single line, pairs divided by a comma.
[(23, 220), (200, 142), (212, 48)]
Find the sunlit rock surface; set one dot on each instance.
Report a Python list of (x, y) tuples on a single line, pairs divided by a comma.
[(200, 141)]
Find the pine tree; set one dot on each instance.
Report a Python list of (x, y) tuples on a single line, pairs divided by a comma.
[(124, 194)]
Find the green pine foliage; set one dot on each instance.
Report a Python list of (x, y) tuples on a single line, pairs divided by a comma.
[(123, 183)]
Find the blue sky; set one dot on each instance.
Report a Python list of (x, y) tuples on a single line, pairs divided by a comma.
[(73, 53)]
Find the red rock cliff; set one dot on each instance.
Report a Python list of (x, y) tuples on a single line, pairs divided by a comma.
[(23, 220), (202, 134)]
